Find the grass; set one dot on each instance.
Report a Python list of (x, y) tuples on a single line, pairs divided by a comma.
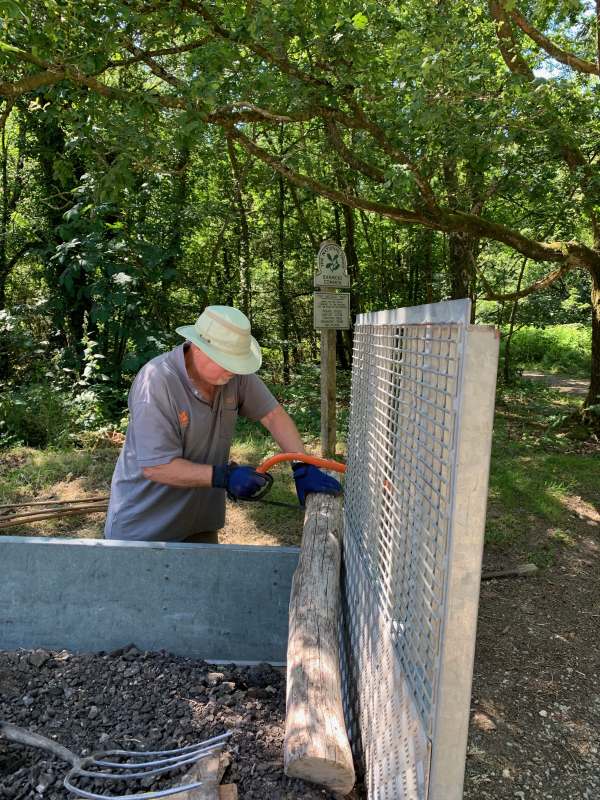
[(539, 476), (28, 473), (556, 349), (540, 479)]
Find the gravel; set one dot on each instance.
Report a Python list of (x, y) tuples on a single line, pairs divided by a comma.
[(130, 699)]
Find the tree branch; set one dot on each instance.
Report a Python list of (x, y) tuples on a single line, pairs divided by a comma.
[(395, 154), (281, 62), (256, 113), (542, 283), (348, 156), (10, 103), (569, 253), (570, 60), (20, 253), (31, 82), (165, 51), (399, 214), (159, 71), (509, 49), (563, 140)]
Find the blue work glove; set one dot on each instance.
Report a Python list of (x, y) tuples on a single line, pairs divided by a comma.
[(311, 479), (239, 481)]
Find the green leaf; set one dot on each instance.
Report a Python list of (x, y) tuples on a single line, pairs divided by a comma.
[(10, 10), (359, 21)]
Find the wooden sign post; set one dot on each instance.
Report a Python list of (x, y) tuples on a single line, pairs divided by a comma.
[(331, 312)]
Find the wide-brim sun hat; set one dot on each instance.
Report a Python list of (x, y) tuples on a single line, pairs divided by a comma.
[(223, 333)]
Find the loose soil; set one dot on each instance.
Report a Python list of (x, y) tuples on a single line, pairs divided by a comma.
[(535, 717), (137, 700)]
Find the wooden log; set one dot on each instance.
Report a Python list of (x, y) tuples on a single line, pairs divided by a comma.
[(209, 770), (316, 746), (519, 571)]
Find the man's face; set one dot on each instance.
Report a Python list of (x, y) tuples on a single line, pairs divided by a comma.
[(209, 370)]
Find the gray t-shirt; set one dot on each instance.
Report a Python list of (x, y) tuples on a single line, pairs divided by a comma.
[(169, 418)]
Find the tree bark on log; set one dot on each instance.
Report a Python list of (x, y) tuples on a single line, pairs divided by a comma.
[(316, 746)]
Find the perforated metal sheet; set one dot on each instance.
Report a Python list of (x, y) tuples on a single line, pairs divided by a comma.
[(403, 453)]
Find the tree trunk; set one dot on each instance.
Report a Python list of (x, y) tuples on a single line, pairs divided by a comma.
[(245, 265), (513, 317), (593, 397), (228, 287), (10, 200), (355, 299), (4, 218), (338, 227), (284, 311), (177, 232), (461, 263)]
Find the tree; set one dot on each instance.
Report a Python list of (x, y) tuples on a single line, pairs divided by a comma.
[(504, 100)]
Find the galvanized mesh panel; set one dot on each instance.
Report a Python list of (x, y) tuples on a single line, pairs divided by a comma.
[(399, 500)]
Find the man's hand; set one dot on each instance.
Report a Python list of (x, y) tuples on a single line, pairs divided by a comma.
[(239, 481), (311, 479)]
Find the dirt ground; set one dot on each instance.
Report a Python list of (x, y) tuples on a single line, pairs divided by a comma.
[(562, 383), (535, 714), (535, 717)]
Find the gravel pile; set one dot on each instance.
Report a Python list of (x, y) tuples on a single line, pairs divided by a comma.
[(129, 699)]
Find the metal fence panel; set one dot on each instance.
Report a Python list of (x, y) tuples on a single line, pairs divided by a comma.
[(423, 386)]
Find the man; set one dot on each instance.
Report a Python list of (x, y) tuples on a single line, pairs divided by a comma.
[(172, 474)]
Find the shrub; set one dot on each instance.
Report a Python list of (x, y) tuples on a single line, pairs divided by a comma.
[(34, 415), (42, 415), (558, 348)]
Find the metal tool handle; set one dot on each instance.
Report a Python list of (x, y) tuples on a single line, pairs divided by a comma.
[(15, 734)]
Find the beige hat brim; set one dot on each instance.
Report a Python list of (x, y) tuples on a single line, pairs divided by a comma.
[(239, 365)]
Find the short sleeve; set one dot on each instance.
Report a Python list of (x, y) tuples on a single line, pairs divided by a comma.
[(156, 434), (255, 400)]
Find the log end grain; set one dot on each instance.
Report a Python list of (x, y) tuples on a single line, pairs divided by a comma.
[(336, 776)]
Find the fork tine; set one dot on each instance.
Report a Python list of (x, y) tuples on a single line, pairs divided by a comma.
[(139, 796), (173, 761), (137, 753), (126, 776)]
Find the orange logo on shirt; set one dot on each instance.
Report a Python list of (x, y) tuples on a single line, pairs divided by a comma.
[(184, 418)]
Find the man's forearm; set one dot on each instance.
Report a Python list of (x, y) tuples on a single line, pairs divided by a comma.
[(181, 473), (282, 428)]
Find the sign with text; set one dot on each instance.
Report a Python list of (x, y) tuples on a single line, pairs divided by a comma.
[(331, 311), (332, 266)]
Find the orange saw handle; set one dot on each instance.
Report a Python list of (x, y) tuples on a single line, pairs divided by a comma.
[(323, 463)]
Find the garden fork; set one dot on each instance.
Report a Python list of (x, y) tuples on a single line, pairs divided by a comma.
[(136, 766)]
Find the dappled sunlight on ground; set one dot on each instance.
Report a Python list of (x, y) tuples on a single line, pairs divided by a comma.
[(245, 524), (582, 509)]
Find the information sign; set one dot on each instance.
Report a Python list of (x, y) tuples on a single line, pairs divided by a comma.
[(332, 266), (331, 311)]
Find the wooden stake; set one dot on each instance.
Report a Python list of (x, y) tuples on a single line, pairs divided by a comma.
[(58, 513), (328, 380), (56, 502), (316, 746)]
